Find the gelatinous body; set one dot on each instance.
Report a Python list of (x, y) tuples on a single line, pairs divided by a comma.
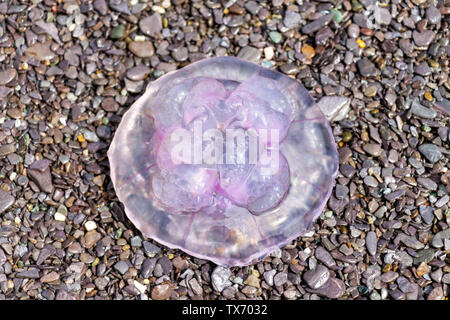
[(230, 200)]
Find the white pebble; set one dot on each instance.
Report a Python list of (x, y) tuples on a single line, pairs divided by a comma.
[(60, 217), (159, 9), (90, 225), (139, 38), (142, 288), (166, 4), (268, 53)]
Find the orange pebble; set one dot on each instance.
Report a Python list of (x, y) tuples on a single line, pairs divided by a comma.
[(361, 43), (308, 51)]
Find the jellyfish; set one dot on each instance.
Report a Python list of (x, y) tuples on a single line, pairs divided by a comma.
[(225, 160)]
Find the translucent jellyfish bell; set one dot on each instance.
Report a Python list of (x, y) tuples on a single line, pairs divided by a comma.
[(232, 213)]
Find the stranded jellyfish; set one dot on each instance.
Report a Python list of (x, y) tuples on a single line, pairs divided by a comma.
[(225, 160)]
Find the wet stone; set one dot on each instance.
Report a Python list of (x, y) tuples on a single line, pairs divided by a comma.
[(280, 278), (383, 16), (427, 214), (323, 35), (370, 181), (103, 132), (180, 54), (433, 15), (389, 276), (367, 68), (101, 6), (289, 68), (110, 105), (250, 53), (423, 69), (406, 46), (161, 292), (275, 37), (233, 20), (427, 183), (317, 277), (353, 30), (151, 25), (291, 19), (442, 201), (317, 24), (335, 108), (424, 256), (91, 238), (39, 172), (423, 39), (440, 237), (220, 278), (6, 201), (150, 249), (134, 86), (372, 149), (395, 195), (7, 149), (147, 267), (166, 265), (40, 51), (122, 267), (268, 276), (411, 242), (334, 288), (142, 49), (436, 294), (325, 257), (7, 76), (32, 273), (421, 111), (431, 152), (117, 32), (371, 243)]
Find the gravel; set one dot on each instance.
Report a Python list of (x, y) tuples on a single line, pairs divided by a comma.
[(70, 70)]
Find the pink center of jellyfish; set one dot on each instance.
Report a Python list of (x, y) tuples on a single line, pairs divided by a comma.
[(221, 146)]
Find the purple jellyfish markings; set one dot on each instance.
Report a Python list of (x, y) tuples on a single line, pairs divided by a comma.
[(225, 160)]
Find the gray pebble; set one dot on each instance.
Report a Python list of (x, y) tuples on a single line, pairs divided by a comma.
[(423, 39), (421, 111), (6, 201), (249, 53), (151, 25), (220, 278), (371, 243), (291, 19), (317, 277), (122, 267), (431, 152), (279, 279)]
